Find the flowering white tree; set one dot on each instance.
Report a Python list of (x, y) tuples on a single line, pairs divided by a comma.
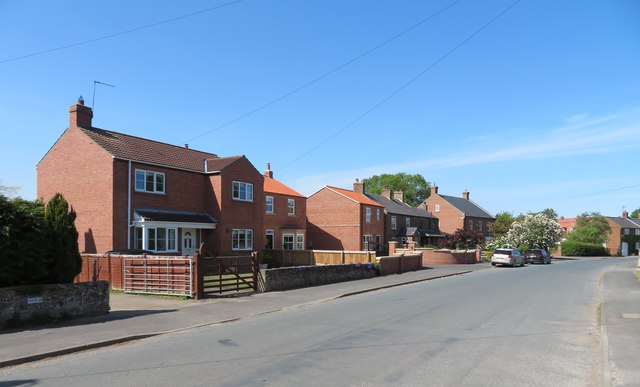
[(537, 231)]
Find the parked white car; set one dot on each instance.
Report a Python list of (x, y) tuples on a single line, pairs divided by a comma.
[(511, 257)]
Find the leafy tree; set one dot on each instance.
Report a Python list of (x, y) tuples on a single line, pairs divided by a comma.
[(461, 239), (550, 213), (66, 262), (415, 187), (501, 225), (636, 213), (23, 242), (535, 231), (590, 228)]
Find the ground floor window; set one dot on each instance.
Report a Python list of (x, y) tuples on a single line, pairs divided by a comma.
[(299, 241), (287, 241), (366, 242), (157, 239), (242, 239)]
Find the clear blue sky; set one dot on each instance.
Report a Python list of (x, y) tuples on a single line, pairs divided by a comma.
[(539, 108)]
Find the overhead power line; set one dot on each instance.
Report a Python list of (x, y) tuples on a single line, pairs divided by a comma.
[(328, 73), (136, 29), (404, 86)]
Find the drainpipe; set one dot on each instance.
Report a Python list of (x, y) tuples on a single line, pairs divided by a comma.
[(129, 207)]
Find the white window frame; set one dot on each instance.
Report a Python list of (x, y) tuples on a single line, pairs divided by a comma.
[(288, 241), (367, 214), (407, 221), (244, 235), (157, 177), (146, 238), (378, 214), (272, 234), (437, 207), (480, 226), (299, 242), (627, 231), (269, 205), (394, 223), (470, 224), (242, 191), (291, 205), (366, 241)]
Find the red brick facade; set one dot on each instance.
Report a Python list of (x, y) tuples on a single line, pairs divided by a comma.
[(101, 188), (281, 219), (338, 222)]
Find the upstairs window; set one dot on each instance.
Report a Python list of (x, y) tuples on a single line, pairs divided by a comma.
[(393, 222), (437, 208), (407, 222), (269, 205), (243, 191), (149, 181), (378, 214), (367, 216), (291, 204)]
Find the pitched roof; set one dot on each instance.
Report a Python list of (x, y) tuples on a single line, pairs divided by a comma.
[(467, 207), (124, 146), (274, 186), (354, 196), (623, 222), (394, 206)]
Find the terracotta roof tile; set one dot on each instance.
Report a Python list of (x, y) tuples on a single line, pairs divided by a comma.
[(274, 186), (355, 196), (124, 146)]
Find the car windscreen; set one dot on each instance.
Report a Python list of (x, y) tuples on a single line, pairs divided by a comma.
[(502, 252)]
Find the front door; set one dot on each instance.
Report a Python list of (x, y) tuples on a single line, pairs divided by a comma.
[(189, 245)]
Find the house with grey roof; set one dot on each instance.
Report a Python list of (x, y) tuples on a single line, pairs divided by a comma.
[(135, 193), (404, 223), (624, 238), (458, 213)]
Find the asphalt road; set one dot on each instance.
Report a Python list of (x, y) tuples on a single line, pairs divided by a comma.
[(535, 325)]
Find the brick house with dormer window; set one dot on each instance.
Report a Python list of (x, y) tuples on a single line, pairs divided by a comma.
[(340, 219), (135, 193)]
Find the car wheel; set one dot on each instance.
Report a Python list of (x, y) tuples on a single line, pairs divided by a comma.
[(493, 263)]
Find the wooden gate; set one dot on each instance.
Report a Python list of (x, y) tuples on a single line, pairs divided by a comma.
[(222, 275)]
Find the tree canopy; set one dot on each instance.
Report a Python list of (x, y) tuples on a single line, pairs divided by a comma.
[(415, 187), (532, 231), (501, 225), (635, 213), (590, 228)]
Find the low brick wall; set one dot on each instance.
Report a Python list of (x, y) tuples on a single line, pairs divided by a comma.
[(450, 257), (400, 263), (23, 305), (304, 276)]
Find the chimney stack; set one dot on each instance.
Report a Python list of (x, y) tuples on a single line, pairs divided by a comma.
[(80, 115), (398, 195), (465, 194), (358, 187), (268, 173), (386, 192), (625, 214), (434, 189)]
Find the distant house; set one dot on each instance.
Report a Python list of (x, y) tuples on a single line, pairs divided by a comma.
[(567, 224), (458, 213), (340, 219), (404, 223), (131, 192), (625, 233), (285, 219)]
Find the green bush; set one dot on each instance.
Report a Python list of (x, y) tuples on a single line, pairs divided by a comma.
[(581, 249)]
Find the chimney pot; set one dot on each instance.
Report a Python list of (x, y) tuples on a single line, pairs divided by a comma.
[(358, 187), (186, 146), (268, 173), (465, 194), (80, 115)]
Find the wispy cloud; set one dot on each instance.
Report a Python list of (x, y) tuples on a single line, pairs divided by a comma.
[(578, 135)]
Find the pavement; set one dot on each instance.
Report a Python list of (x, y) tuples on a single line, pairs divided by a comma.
[(134, 317)]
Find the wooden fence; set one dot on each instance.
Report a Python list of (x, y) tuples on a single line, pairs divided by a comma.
[(285, 258)]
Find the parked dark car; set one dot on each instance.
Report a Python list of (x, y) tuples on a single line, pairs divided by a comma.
[(537, 256)]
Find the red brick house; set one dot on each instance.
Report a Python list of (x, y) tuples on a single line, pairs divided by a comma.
[(623, 239), (285, 218), (458, 213), (339, 219), (130, 192), (404, 223)]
